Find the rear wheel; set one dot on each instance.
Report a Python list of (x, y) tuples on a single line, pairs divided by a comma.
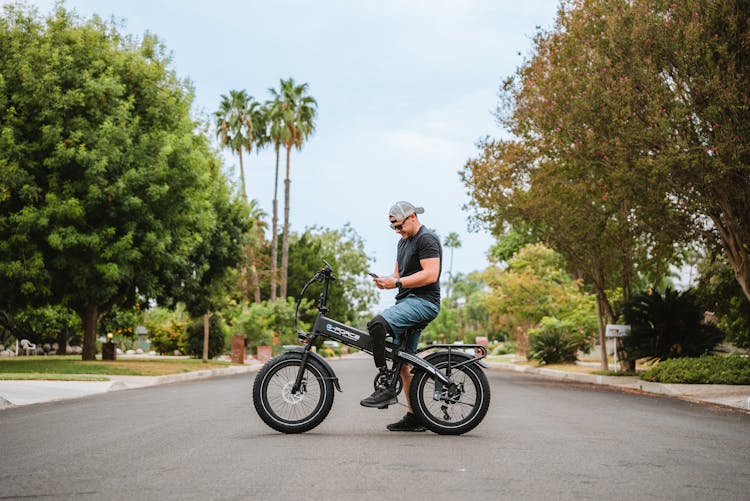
[(455, 409), (287, 411)]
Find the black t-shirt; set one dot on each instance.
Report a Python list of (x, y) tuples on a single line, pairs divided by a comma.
[(424, 245)]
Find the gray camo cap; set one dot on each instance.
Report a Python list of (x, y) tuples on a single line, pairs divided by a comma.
[(401, 210)]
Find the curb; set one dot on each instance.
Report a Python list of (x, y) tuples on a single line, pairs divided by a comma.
[(46, 390), (727, 396), (129, 382)]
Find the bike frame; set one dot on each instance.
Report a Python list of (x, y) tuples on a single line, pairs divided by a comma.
[(332, 329)]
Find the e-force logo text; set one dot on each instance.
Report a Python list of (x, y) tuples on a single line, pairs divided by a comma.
[(342, 332)]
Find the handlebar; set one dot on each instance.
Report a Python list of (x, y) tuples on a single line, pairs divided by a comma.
[(324, 274)]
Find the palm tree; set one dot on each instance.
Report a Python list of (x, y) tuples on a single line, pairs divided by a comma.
[(232, 120), (297, 113), (278, 134), (240, 125), (255, 239), (452, 241)]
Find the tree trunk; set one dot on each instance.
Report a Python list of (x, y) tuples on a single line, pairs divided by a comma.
[(275, 230), (62, 339), (285, 239), (254, 274), (242, 176), (602, 337), (206, 330), (626, 363), (243, 271), (89, 319), (606, 315), (244, 288), (736, 250)]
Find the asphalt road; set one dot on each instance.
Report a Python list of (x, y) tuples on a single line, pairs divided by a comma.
[(540, 440)]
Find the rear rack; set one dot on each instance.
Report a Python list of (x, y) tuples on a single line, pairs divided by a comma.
[(480, 351)]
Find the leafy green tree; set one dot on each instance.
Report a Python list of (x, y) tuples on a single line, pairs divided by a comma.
[(195, 342), (533, 286), (297, 111), (270, 323), (718, 292), (700, 133), (352, 293), (466, 314), (121, 323), (103, 175), (53, 323), (580, 171), (350, 260), (443, 329), (206, 290), (510, 241)]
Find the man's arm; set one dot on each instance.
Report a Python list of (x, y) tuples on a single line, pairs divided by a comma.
[(428, 275)]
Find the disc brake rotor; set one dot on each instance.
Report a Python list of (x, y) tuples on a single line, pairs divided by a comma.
[(292, 398)]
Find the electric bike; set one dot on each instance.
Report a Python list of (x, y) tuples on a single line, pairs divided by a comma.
[(293, 392)]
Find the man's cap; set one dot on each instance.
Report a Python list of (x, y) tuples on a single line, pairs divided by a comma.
[(401, 210)]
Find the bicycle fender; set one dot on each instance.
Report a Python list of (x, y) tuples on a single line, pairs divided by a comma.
[(455, 354), (323, 362)]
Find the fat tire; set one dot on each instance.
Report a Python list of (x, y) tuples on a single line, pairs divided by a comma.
[(423, 405), (270, 394)]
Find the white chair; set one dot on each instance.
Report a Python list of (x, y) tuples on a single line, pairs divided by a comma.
[(28, 346)]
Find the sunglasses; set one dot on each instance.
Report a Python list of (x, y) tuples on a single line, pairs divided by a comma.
[(399, 225)]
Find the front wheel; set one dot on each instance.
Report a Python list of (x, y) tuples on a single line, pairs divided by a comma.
[(450, 410), (285, 410)]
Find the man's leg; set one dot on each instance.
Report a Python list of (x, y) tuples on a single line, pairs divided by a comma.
[(409, 422), (382, 397), (406, 377), (378, 328)]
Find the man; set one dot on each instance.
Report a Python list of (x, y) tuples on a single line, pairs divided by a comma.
[(417, 276)]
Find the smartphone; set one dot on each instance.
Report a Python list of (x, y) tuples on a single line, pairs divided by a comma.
[(373, 275)]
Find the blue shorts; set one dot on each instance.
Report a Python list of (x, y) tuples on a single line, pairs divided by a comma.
[(406, 313)]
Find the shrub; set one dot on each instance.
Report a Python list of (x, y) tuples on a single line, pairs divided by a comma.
[(217, 331), (667, 326), (326, 352), (168, 337), (552, 343), (503, 348), (703, 370), (268, 323)]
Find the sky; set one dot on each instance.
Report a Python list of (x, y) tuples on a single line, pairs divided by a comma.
[(405, 89)]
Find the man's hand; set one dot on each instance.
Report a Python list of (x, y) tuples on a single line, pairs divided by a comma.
[(388, 282)]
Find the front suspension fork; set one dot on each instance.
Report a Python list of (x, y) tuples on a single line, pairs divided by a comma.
[(300, 373)]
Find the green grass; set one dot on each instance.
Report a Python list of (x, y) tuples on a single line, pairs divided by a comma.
[(58, 366), (15, 376), (614, 373)]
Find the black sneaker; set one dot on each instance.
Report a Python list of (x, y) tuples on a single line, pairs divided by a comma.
[(407, 423), (381, 399)]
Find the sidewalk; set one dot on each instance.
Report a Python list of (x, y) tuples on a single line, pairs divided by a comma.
[(22, 392), (734, 396), (26, 392)]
